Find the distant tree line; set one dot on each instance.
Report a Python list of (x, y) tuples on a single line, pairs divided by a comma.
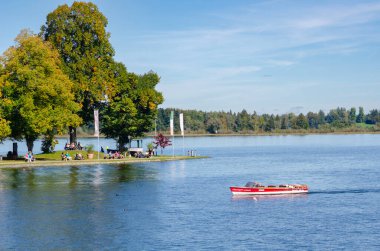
[(339, 119)]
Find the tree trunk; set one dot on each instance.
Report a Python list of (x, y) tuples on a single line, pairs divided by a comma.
[(30, 142), (121, 144), (73, 135), (129, 142)]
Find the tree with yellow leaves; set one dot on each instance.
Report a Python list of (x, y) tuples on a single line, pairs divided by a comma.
[(37, 97)]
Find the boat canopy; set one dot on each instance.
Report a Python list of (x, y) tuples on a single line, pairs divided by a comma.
[(250, 184)]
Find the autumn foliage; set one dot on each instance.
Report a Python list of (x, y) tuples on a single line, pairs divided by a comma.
[(162, 141)]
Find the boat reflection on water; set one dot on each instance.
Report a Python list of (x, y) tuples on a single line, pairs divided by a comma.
[(270, 197)]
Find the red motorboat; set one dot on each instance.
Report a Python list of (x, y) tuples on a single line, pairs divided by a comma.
[(254, 188)]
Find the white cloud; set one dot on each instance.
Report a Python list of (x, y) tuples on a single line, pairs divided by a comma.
[(340, 15)]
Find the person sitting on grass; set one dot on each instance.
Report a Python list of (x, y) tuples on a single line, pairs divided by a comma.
[(72, 146), (78, 156), (68, 157), (116, 155), (29, 157), (63, 156), (79, 146)]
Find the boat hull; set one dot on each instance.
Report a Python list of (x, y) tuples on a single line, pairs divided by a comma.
[(268, 190)]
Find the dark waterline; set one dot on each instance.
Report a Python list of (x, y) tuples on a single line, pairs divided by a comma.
[(187, 204)]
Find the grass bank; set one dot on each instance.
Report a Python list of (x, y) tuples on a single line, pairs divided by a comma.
[(54, 159)]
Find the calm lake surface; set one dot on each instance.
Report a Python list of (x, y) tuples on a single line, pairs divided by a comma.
[(187, 204)]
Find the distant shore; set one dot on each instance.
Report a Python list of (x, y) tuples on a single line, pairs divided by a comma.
[(244, 134), (271, 134), (275, 134)]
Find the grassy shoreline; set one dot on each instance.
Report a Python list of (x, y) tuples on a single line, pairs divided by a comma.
[(10, 164)]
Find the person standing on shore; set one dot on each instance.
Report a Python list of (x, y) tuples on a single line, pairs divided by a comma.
[(30, 156)]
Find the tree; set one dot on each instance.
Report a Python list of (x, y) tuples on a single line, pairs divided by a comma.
[(132, 111), (321, 118), (162, 142), (352, 115), (194, 120), (146, 99), (284, 122), (292, 118), (48, 143), (78, 32), (277, 122), (213, 123), (361, 116), (338, 117), (312, 120), (243, 121), (332, 116), (301, 122), (117, 117), (254, 121), (5, 129), (270, 125), (261, 123), (373, 117), (37, 96)]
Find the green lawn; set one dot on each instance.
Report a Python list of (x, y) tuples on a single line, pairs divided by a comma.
[(57, 155), (54, 159), (364, 125)]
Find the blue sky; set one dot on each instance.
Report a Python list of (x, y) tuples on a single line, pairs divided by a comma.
[(269, 56)]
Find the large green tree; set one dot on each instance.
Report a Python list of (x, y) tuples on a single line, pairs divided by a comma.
[(79, 33), (37, 96), (5, 129), (133, 109)]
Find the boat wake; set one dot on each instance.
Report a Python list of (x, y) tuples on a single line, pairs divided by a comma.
[(347, 191)]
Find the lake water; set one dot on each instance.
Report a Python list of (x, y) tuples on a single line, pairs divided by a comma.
[(187, 205)]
